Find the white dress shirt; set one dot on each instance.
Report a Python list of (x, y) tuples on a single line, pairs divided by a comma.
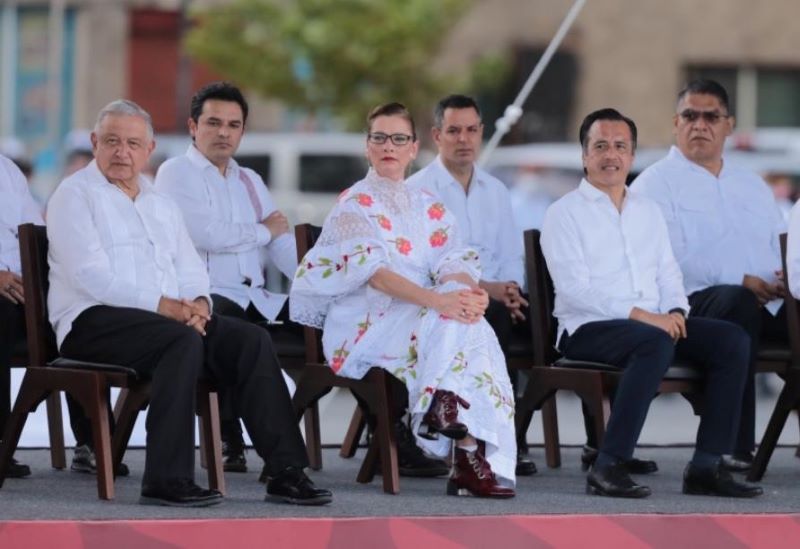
[(484, 218), (721, 228), (793, 251), (106, 249), (223, 215), (604, 262), (17, 206)]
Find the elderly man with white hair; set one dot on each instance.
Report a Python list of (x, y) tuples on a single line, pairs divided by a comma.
[(128, 287)]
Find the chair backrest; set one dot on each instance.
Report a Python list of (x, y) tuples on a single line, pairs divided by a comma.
[(792, 308), (306, 236), (33, 253), (541, 298)]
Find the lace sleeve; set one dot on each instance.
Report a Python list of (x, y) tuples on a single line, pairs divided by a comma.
[(346, 255)]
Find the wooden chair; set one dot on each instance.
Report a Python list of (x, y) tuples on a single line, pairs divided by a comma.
[(47, 374), (55, 422), (593, 382), (317, 379), (789, 398)]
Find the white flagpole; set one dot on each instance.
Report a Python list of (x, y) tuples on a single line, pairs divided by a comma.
[(514, 111)]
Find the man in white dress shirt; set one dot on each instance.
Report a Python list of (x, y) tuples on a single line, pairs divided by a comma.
[(128, 287), (234, 225), (724, 225), (482, 206), (620, 300), (17, 206)]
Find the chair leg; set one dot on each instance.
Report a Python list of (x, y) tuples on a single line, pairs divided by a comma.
[(598, 402), (126, 411), (92, 396), (202, 435), (30, 394), (357, 425), (552, 443), (55, 426), (313, 437), (384, 440), (788, 399), (208, 410), (120, 403)]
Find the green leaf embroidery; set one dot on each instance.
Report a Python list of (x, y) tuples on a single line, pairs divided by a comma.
[(327, 273)]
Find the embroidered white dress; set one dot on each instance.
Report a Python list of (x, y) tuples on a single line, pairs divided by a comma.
[(380, 223)]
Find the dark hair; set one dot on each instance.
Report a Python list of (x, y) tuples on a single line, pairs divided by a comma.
[(605, 114), (392, 109), (706, 86), (222, 91), (454, 101)]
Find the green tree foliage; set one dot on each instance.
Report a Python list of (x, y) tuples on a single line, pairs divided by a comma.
[(337, 56)]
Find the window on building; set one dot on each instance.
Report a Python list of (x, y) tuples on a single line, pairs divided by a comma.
[(547, 111), (330, 173), (761, 96)]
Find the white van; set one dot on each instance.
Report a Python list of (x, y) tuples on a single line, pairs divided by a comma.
[(305, 172)]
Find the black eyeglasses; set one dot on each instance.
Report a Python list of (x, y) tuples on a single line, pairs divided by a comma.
[(398, 139), (711, 117)]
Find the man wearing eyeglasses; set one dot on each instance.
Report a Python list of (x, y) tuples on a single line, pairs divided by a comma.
[(724, 225), (482, 207)]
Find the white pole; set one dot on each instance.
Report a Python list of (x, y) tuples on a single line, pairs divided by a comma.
[(55, 67), (514, 111)]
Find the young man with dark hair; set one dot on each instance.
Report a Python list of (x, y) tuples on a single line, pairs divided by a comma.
[(482, 206), (620, 300)]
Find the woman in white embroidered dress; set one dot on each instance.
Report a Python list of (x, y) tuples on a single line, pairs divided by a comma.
[(392, 286)]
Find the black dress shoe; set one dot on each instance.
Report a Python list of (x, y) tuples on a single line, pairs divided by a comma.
[(716, 482), (614, 481), (525, 466), (293, 486), (412, 461), (17, 469), (738, 463), (233, 457), (178, 493), (634, 466)]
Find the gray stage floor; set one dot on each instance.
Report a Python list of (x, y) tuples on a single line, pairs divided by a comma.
[(62, 495)]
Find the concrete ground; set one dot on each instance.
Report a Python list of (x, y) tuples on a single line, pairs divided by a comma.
[(64, 495)]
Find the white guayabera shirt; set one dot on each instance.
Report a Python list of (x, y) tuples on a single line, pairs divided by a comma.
[(16, 208), (223, 215), (604, 262), (106, 249), (484, 218), (721, 227)]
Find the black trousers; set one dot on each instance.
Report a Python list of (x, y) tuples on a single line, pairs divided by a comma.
[(721, 349), (12, 333), (231, 429), (740, 306), (499, 318), (233, 354)]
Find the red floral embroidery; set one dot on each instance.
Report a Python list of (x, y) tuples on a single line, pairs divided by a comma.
[(403, 245), (364, 199), (383, 221), (339, 356), (436, 211), (337, 363), (438, 238)]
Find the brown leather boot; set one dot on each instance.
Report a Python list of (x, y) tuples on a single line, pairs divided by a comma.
[(473, 476), (442, 417)]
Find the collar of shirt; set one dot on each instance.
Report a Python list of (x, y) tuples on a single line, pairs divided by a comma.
[(199, 159), (96, 178), (444, 177), (593, 194), (677, 156)]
